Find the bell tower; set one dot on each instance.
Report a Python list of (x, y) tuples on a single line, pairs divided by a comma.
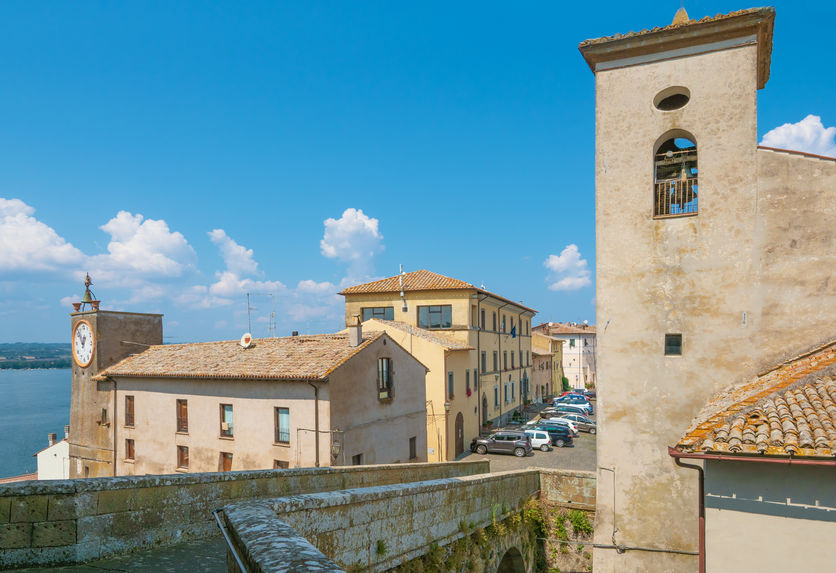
[(100, 338), (676, 183)]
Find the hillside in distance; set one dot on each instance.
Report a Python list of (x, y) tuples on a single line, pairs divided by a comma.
[(18, 355)]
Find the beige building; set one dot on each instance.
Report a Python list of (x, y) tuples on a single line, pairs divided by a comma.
[(715, 261), (472, 386), (578, 353), (239, 405), (54, 460), (548, 352)]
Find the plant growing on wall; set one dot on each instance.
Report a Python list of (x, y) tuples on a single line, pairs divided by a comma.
[(565, 382)]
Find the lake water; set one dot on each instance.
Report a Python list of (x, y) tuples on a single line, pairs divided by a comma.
[(33, 403)]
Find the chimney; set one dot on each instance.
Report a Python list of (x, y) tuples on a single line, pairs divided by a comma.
[(67, 433), (355, 331), (51, 437), (294, 333)]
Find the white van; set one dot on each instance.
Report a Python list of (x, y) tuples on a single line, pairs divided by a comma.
[(539, 439)]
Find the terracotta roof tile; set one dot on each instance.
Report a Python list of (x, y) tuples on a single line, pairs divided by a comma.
[(435, 337), (422, 280), (790, 410), (289, 358), (552, 328)]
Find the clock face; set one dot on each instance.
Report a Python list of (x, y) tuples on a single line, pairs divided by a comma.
[(83, 343)]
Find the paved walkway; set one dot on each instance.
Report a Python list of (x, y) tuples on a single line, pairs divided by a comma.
[(205, 555)]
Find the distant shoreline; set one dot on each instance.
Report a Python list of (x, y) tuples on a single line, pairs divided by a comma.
[(30, 367)]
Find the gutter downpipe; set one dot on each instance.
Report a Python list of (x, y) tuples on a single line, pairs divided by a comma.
[(316, 420), (499, 358), (479, 364), (678, 459), (115, 402)]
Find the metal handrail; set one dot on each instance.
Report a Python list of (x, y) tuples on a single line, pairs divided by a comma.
[(229, 541)]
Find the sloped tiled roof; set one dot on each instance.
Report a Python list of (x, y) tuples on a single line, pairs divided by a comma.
[(422, 280), (289, 358), (416, 280), (552, 328), (790, 410), (437, 338)]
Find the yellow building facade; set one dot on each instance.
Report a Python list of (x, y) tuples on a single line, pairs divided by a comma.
[(551, 347), (480, 362)]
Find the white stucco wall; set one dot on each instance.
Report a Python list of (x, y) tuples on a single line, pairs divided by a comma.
[(54, 461)]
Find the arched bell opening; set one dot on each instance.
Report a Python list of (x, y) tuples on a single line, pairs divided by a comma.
[(675, 187)]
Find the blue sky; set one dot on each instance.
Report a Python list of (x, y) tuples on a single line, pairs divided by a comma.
[(187, 153)]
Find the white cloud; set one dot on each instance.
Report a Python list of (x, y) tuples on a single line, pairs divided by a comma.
[(568, 270), (807, 135), (355, 239), (237, 258), (28, 244), (141, 251)]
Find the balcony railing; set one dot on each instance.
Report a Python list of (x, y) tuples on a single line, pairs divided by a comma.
[(675, 197)]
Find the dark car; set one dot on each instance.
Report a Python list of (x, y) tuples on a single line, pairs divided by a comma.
[(562, 424), (503, 442), (560, 435), (590, 394)]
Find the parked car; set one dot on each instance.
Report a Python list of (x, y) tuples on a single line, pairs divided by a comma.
[(560, 435), (503, 442), (580, 421), (539, 440), (570, 409), (590, 394), (573, 400), (548, 422), (572, 393)]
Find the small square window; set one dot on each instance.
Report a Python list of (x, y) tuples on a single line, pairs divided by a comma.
[(280, 465), (673, 345), (225, 462), (357, 460), (413, 448), (182, 457), (130, 451)]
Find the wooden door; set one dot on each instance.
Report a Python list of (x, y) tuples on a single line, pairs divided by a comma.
[(459, 434)]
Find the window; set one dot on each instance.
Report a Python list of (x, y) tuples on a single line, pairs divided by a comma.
[(474, 317), (672, 98), (226, 421), (130, 452), (384, 378), (384, 312), (183, 416), (505, 359), (528, 358), (435, 316), (467, 382), (495, 396), (571, 343), (494, 321), (129, 411), (450, 386), (484, 361), (280, 465), (182, 457), (282, 425), (475, 383), (483, 319), (495, 361), (512, 360), (505, 389), (521, 359), (512, 391), (104, 417), (413, 448), (225, 462), (675, 186), (673, 345), (357, 460), (503, 323)]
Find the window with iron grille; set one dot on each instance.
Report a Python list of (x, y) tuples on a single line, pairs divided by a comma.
[(675, 189), (282, 425)]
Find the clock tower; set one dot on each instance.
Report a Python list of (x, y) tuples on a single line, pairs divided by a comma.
[(100, 339)]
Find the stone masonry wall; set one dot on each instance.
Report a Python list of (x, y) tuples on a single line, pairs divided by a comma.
[(72, 521), (374, 528)]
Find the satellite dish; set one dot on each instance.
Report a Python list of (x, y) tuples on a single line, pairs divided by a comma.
[(246, 340)]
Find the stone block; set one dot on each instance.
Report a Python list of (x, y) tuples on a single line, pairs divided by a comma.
[(15, 535), (29, 508), (5, 509), (114, 501), (53, 533), (61, 507)]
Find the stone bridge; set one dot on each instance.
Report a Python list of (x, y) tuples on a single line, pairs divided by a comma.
[(392, 526)]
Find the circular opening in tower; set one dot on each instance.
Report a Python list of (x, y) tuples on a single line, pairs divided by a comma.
[(672, 98)]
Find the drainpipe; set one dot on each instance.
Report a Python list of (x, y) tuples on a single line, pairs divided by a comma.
[(316, 420), (678, 460), (479, 371), (115, 424), (499, 358)]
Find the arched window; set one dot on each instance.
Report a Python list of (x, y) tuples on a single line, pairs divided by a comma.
[(675, 190)]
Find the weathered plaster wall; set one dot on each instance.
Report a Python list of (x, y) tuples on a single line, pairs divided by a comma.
[(72, 521), (253, 443), (689, 275), (379, 429), (376, 528), (769, 517)]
